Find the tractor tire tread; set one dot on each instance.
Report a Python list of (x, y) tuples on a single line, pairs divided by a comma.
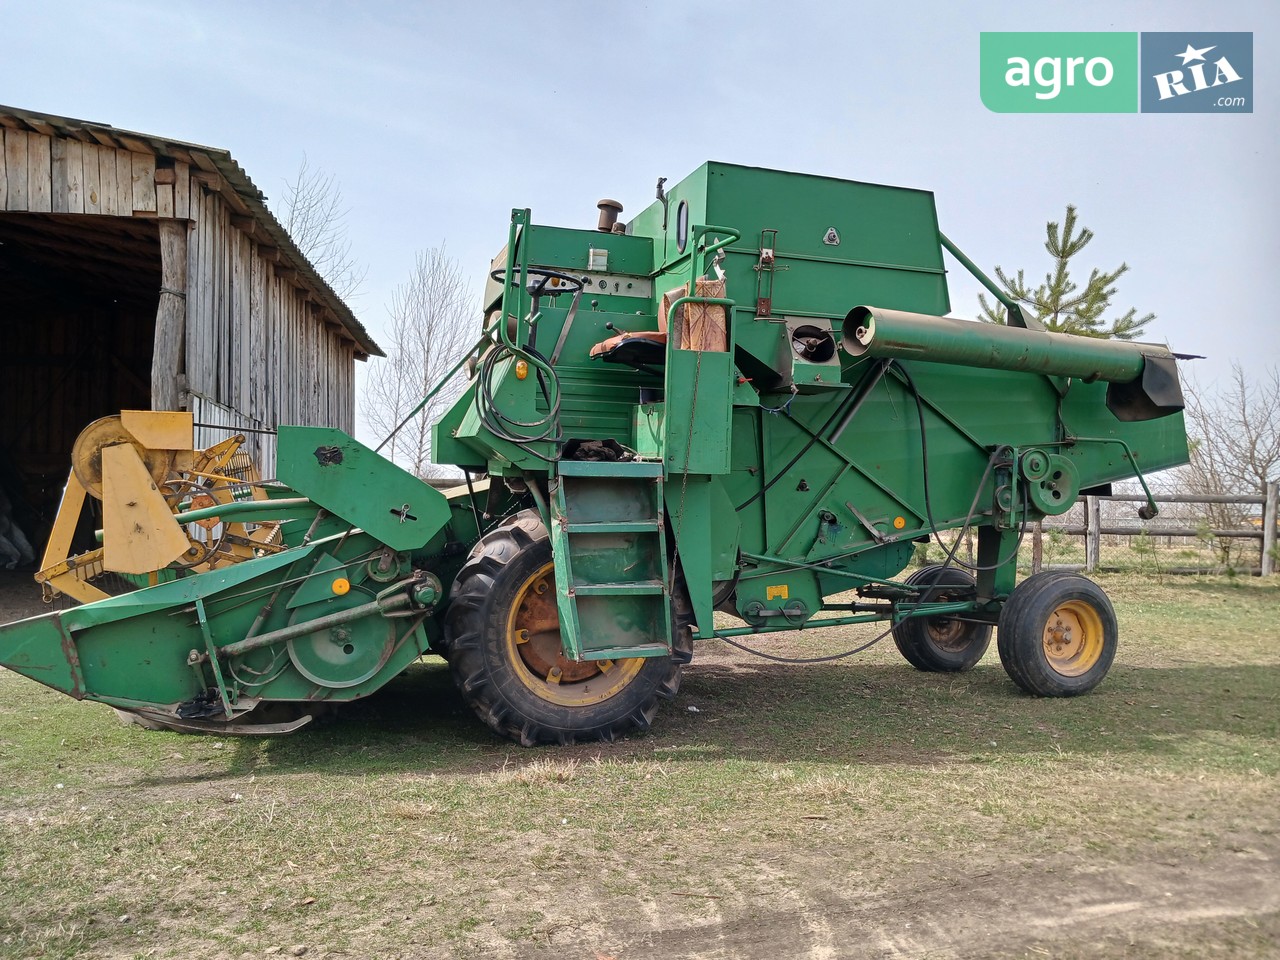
[(481, 580), (912, 639)]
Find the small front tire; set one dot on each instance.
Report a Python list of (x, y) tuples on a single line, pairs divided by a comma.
[(1057, 635), (942, 644)]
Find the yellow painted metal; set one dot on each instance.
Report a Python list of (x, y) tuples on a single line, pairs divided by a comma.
[(71, 576), (160, 429), (532, 646), (139, 534), (1073, 638), (182, 477), (64, 524), (215, 543), (217, 458), (59, 572), (86, 454)]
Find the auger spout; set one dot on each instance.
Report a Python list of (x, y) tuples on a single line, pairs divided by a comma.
[(1143, 376)]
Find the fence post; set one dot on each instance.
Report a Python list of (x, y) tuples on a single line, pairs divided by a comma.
[(1037, 546), (1268, 565), (1092, 533)]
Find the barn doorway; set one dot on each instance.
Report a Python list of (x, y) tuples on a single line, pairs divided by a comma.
[(78, 297)]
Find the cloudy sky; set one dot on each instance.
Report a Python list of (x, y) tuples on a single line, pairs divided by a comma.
[(437, 118)]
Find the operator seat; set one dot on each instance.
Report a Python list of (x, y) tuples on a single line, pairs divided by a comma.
[(702, 327), (643, 351)]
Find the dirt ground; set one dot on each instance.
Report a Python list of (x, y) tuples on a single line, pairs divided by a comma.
[(20, 596), (997, 907)]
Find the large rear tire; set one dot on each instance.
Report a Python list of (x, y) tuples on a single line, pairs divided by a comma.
[(1057, 635), (502, 632), (942, 644)]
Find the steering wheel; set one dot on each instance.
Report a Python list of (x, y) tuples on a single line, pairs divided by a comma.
[(567, 284)]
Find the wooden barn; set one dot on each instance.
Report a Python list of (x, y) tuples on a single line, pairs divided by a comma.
[(138, 272)]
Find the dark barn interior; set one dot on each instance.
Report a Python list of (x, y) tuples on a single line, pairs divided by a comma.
[(78, 300)]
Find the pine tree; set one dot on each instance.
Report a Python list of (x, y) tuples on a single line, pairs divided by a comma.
[(1059, 303)]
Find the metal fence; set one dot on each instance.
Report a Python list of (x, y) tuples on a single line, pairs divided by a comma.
[(1193, 533)]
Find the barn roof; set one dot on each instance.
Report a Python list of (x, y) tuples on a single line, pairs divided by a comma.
[(235, 187)]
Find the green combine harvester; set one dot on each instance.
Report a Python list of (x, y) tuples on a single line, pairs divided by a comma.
[(747, 399)]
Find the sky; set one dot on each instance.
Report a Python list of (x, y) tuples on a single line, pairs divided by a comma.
[(436, 119)]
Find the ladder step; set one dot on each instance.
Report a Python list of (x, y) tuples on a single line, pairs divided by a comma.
[(622, 653), (629, 589), (615, 526), (628, 468)]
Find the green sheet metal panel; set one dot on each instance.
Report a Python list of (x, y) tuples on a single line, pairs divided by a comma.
[(699, 400), (886, 238), (568, 249), (350, 480), (692, 190), (888, 251)]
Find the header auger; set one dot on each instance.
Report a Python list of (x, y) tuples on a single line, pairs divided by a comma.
[(747, 399)]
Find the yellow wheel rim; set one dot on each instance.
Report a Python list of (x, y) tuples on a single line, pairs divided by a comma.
[(533, 648), (1073, 638)]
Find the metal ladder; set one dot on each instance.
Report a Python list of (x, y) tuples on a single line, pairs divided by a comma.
[(609, 541)]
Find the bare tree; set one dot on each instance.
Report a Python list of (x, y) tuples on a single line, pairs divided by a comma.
[(316, 219), (432, 324), (1234, 429)]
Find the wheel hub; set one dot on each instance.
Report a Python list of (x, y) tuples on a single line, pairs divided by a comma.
[(1073, 638), (948, 633), (538, 635), (533, 634)]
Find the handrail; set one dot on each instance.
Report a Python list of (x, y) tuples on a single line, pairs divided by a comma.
[(1015, 309), (681, 301), (698, 233)]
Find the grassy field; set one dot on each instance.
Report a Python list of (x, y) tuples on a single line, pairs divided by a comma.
[(842, 810)]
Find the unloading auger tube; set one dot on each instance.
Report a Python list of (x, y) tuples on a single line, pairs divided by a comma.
[(1143, 377), (666, 421)]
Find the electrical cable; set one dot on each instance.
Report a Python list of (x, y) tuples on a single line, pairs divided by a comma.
[(524, 433), (546, 428), (825, 659)]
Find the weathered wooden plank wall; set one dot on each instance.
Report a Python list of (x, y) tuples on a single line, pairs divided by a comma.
[(44, 174), (255, 344)]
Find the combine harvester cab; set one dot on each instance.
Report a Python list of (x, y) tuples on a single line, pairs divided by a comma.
[(748, 399)]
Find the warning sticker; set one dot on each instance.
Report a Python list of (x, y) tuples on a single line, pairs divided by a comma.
[(778, 592)]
